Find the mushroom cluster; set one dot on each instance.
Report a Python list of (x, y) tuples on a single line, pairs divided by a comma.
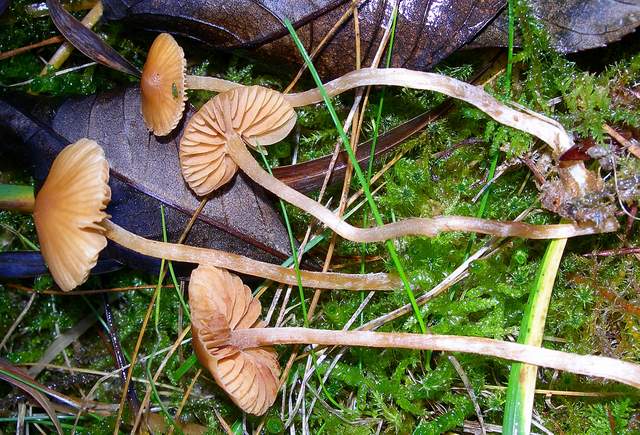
[(73, 228), (229, 339)]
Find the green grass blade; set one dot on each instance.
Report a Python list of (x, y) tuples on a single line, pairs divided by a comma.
[(359, 174), (16, 197), (522, 379)]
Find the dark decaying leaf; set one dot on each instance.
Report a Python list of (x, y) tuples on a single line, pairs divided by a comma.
[(23, 381), (574, 25), (27, 264), (308, 176), (427, 31), (86, 41), (145, 173)]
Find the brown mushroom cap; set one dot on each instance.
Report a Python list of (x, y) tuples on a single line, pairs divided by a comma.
[(261, 116), (68, 210), (163, 85), (220, 303)]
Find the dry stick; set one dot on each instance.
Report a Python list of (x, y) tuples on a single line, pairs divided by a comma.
[(134, 356), (18, 320), (357, 124), (86, 292), (164, 362), (588, 365), (429, 227), (183, 236), (238, 263), (467, 385), (185, 397), (352, 9), (64, 51), (107, 375), (20, 50)]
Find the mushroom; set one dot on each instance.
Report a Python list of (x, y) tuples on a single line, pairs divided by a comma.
[(164, 82), (73, 228), (213, 147), (235, 346)]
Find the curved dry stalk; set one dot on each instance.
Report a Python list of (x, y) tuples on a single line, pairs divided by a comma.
[(429, 227), (245, 265), (598, 366)]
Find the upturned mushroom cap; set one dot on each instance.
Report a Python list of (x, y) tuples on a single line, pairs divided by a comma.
[(163, 85), (261, 116), (220, 303), (68, 210)]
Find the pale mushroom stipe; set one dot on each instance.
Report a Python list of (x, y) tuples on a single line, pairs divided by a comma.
[(236, 347), (213, 147), (73, 228)]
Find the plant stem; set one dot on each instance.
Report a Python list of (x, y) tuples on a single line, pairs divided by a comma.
[(16, 198), (429, 227), (64, 51), (610, 368), (522, 379), (238, 263)]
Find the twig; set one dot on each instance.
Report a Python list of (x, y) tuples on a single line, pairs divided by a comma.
[(55, 74), (117, 352), (20, 50), (15, 324), (157, 374), (472, 395), (185, 397), (64, 51)]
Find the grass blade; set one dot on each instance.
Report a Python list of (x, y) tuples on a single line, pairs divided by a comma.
[(522, 379)]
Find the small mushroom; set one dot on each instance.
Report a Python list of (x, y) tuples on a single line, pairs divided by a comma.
[(249, 376), (236, 347), (68, 211), (73, 228), (213, 147), (164, 83)]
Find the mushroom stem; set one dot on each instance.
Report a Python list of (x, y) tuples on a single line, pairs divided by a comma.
[(429, 227), (209, 83), (248, 266), (546, 129), (621, 371), (16, 198)]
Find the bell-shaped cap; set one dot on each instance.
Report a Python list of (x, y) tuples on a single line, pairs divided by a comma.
[(69, 209), (163, 85), (261, 116), (221, 303)]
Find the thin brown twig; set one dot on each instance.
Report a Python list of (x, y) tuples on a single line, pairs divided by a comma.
[(185, 397), (322, 43), (147, 395), (85, 292), (15, 324), (467, 385), (16, 51), (134, 356)]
